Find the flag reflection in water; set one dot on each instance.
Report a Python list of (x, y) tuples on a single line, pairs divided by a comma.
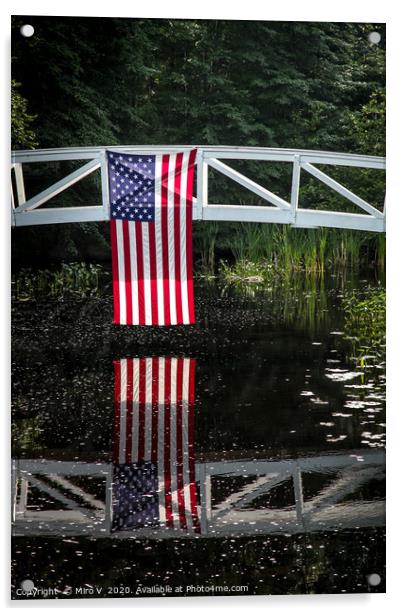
[(153, 448)]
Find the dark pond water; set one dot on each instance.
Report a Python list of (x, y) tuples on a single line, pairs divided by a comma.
[(277, 455)]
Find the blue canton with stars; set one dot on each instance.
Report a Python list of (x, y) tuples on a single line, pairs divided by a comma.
[(131, 186)]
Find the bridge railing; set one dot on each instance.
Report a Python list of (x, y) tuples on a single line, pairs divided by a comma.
[(236, 513), (30, 211)]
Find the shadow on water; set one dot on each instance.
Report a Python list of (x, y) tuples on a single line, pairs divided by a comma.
[(275, 451)]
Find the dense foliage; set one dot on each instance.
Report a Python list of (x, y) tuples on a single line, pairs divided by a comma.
[(105, 81), (22, 134)]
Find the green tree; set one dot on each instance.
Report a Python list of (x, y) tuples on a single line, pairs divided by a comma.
[(22, 132)]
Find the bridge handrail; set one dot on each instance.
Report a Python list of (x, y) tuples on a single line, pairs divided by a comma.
[(211, 151)]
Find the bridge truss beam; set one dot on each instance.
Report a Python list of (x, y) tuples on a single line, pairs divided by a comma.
[(30, 211), (233, 515)]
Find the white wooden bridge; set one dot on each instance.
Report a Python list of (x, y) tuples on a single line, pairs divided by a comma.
[(34, 210), (82, 513)]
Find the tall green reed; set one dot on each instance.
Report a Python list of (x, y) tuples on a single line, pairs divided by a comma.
[(305, 249)]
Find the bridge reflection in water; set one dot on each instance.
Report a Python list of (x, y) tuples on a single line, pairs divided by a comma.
[(246, 510)]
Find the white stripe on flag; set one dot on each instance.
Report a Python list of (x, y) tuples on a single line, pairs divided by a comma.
[(183, 238), (134, 274), (122, 276)]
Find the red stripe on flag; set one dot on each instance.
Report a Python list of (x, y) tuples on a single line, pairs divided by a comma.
[(140, 273), (165, 238), (177, 241), (115, 272), (189, 234), (117, 400), (127, 273)]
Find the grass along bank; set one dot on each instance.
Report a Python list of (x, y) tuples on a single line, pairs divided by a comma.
[(365, 324), (80, 279), (253, 251)]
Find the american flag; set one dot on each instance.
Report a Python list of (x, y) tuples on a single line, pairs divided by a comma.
[(151, 201), (154, 465)]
